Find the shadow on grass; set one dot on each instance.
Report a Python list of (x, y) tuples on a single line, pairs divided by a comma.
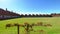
[(8, 19)]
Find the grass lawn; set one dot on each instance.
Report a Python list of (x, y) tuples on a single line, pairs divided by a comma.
[(55, 29)]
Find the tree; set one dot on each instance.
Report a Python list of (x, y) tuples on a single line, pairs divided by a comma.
[(30, 15), (26, 15), (33, 15), (37, 15)]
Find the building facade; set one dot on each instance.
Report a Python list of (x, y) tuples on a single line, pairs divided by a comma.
[(5, 14)]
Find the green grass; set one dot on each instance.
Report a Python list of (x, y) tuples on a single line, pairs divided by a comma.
[(55, 29)]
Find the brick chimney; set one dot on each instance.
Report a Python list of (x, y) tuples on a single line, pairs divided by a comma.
[(6, 9)]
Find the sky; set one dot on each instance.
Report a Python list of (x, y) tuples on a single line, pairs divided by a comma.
[(31, 6)]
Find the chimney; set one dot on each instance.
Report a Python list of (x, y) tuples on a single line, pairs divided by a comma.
[(6, 9)]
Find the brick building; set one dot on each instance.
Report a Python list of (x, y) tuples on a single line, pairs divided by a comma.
[(4, 14), (55, 14)]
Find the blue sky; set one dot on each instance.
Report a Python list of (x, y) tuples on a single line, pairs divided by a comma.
[(31, 6)]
